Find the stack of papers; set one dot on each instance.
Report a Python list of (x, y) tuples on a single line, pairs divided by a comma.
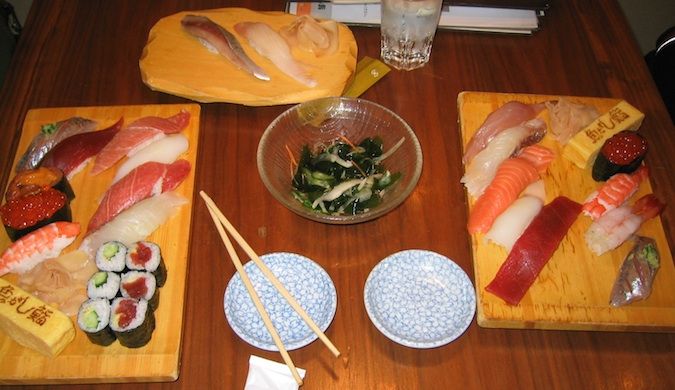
[(457, 17)]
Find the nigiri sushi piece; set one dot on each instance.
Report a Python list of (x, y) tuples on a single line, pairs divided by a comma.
[(636, 276), (137, 135), (533, 249), (511, 224), (537, 155), (568, 118), (135, 223), (617, 190), (50, 135), (508, 115), (617, 225), (536, 189), (305, 32), (215, 37), (72, 154), (512, 177), (146, 180), (481, 170), (165, 150), (38, 246), (271, 45)]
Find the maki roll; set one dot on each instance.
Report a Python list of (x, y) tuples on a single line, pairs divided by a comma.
[(103, 284), (621, 153), (146, 256), (110, 256), (24, 214), (131, 321), (93, 318), (140, 285)]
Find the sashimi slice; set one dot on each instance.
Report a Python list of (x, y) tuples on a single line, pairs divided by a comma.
[(533, 249), (511, 224), (151, 178), (137, 135), (135, 223), (165, 150), (38, 246), (617, 190), (481, 170), (271, 45), (73, 153), (539, 156), (508, 115), (512, 177)]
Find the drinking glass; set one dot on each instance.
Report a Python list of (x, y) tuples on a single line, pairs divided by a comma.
[(408, 28)]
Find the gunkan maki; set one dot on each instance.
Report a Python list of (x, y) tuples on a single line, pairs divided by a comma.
[(621, 153)]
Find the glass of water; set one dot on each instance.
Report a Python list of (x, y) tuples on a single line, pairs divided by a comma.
[(408, 28)]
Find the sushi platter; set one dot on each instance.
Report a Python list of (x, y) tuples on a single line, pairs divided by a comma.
[(82, 361), (176, 63), (572, 291)]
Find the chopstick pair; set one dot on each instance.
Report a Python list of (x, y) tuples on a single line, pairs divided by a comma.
[(223, 223)]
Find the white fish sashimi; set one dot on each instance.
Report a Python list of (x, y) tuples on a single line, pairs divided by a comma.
[(511, 224), (135, 223), (165, 150), (482, 168)]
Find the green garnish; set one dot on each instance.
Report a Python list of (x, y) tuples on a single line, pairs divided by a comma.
[(110, 250), (49, 128), (100, 278), (90, 319), (651, 255)]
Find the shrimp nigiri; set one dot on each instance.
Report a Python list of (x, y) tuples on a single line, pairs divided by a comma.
[(614, 193)]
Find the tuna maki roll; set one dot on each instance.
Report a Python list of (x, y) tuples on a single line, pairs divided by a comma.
[(621, 153), (27, 213), (140, 285), (93, 318), (103, 284), (110, 256), (131, 321), (146, 256)]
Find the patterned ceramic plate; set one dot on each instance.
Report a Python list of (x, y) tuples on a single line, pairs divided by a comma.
[(419, 299), (304, 279)]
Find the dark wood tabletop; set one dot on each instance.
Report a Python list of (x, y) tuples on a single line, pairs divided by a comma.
[(85, 53)]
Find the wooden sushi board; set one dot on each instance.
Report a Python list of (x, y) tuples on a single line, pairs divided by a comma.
[(81, 361), (572, 291), (177, 63)]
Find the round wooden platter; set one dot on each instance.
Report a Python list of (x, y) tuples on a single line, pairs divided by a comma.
[(177, 63)]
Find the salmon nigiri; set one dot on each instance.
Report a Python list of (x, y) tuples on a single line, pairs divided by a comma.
[(617, 190), (512, 177), (37, 246)]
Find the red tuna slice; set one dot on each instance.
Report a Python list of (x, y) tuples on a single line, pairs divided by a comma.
[(138, 134), (149, 179), (71, 154), (533, 249)]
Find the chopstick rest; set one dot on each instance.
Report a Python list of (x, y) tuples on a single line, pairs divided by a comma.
[(266, 374)]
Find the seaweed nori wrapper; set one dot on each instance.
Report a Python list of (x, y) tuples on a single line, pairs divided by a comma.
[(23, 215)]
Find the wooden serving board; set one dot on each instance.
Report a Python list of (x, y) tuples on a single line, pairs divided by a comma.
[(84, 362), (572, 291), (177, 63)]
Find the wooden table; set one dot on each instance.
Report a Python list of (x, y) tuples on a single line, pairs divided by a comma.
[(86, 54)]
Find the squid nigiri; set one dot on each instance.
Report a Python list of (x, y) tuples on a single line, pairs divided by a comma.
[(511, 224), (165, 150), (614, 192)]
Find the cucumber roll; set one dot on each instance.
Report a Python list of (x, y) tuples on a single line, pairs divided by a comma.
[(93, 318), (103, 284), (131, 321), (146, 256), (140, 285), (110, 256)]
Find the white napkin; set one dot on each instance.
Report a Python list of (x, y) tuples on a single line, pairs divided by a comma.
[(265, 374)]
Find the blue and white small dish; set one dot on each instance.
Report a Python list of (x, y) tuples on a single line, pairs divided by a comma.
[(419, 299), (304, 279)]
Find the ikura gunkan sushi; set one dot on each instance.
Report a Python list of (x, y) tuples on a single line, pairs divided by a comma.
[(93, 318), (146, 256), (131, 321), (622, 153), (103, 284), (140, 285), (111, 256)]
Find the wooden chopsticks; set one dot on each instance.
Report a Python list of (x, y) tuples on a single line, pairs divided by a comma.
[(223, 223)]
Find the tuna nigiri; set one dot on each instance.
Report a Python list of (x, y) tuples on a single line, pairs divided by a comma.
[(165, 150), (73, 153), (508, 115), (216, 37), (481, 170), (614, 192), (37, 246), (271, 45), (135, 223), (533, 249), (149, 179), (617, 225), (512, 177), (137, 135), (50, 135)]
